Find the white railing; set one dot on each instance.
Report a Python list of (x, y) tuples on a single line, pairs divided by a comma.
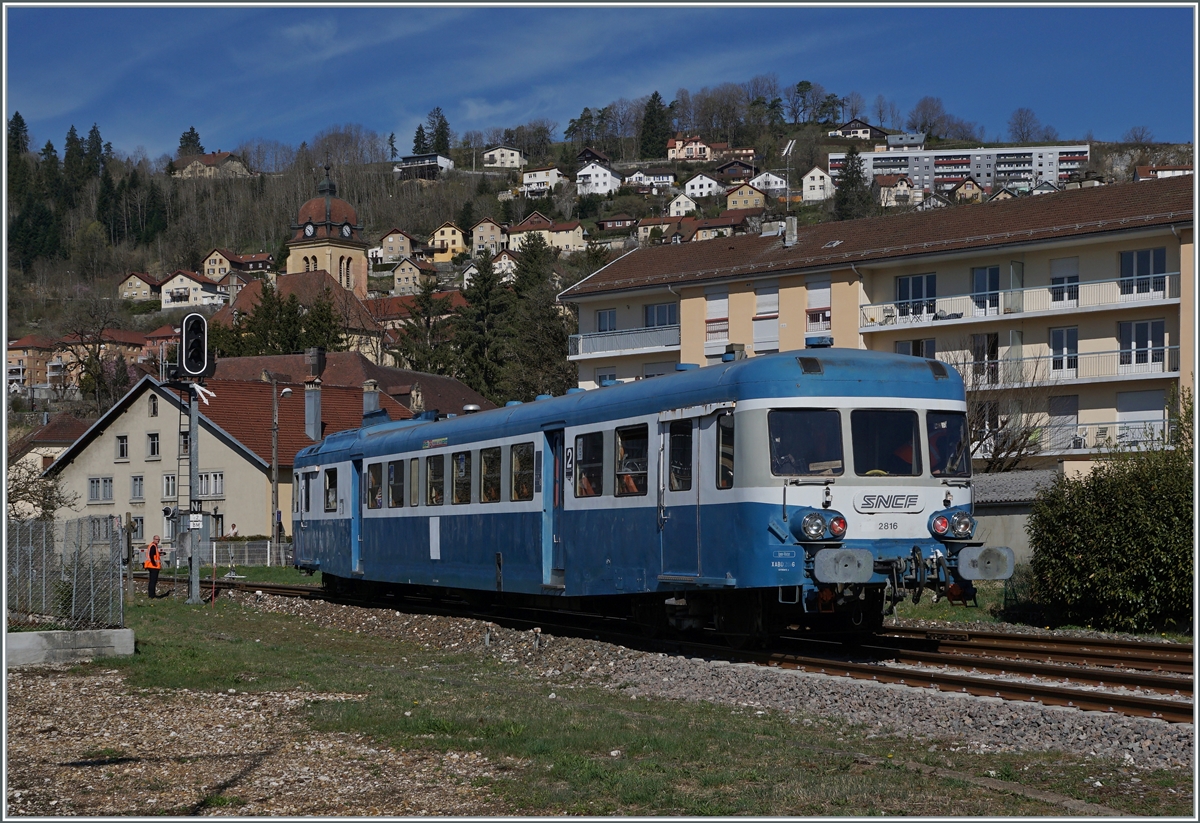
[(1055, 368), (1089, 294), (818, 320), (651, 337), (1060, 438)]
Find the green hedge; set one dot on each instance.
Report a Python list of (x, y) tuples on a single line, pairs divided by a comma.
[(1113, 549)]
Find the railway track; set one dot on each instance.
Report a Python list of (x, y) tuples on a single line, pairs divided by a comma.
[(1087, 673)]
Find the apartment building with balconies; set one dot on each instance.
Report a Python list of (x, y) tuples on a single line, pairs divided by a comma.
[(942, 169), (1072, 311)]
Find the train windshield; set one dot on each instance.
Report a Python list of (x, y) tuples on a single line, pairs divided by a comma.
[(949, 444), (805, 442), (886, 443)]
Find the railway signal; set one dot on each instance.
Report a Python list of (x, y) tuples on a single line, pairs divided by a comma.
[(193, 346)]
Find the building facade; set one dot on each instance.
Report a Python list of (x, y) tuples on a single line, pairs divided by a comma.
[(1072, 311), (327, 236), (943, 169)]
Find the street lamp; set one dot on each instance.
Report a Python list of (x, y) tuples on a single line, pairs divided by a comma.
[(275, 395)]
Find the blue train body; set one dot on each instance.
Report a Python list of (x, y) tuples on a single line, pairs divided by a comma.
[(746, 496)]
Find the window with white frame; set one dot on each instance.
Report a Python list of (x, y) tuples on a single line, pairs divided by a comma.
[(662, 314), (122, 447), (1064, 349), (212, 484), (766, 317), (1143, 345), (100, 489), (818, 316), (606, 320), (139, 528), (152, 445), (137, 487), (185, 443), (915, 294), (716, 316), (604, 375), (168, 528), (169, 488), (1143, 273)]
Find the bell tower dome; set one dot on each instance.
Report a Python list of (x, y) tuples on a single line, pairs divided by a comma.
[(327, 236)]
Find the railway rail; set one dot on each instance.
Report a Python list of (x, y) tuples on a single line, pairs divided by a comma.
[(1111, 668)]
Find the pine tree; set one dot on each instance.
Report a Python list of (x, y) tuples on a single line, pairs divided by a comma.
[(423, 343), (466, 218), (479, 329), (535, 339), (18, 136), (93, 152), (322, 326), (535, 264), (106, 205), (74, 168), (20, 171), (189, 143), (656, 128), (420, 141), (154, 220), (438, 131), (853, 197), (49, 178), (391, 144)]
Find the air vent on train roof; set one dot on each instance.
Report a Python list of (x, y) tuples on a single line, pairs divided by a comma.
[(810, 365), (938, 369)]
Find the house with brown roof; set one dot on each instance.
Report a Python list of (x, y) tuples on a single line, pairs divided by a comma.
[(503, 157), (702, 185), (220, 262), (410, 274), (816, 185), (568, 237), (690, 148), (447, 241), (184, 289), (735, 172), (745, 196), (140, 286), (213, 164), (391, 312), (160, 341), (896, 190), (395, 245), (1155, 172), (859, 130), (967, 191), (590, 155), (1086, 295), (361, 332), (654, 178), (488, 236), (134, 459), (33, 363), (540, 181), (616, 221)]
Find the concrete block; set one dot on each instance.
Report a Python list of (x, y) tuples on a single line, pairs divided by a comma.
[(40, 648)]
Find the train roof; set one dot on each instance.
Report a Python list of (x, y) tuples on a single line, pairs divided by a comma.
[(804, 373)]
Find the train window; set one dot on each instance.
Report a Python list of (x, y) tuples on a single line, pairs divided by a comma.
[(414, 482), (886, 443), (633, 444), (489, 475), (461, 463), (435, 479), (680, 455), (396, 484), (725, 451), (589, 465), (308, 491), (375, 486), (522, 471), (805, 441), (949, 444), (331, 499)]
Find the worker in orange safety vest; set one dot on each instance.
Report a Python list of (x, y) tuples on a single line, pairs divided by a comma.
[(153, 564)]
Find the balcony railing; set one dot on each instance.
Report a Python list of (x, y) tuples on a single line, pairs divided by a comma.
[(625, 340), (1090, 294), (1062, 367), (1079, 438)]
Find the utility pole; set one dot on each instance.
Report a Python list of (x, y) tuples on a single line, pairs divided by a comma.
[(274, 461), (193, 485)]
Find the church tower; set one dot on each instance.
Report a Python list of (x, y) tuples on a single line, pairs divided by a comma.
[(327, 236)]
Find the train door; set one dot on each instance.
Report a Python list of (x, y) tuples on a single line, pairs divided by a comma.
[(357, 503), (553, 553), (679, 496)]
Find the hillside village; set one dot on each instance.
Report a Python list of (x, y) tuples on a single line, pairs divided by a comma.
[(567, 266)]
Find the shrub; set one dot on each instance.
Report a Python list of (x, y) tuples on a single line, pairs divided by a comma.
[(1113, 549)]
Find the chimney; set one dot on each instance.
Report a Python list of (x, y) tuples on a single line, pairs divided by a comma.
[(789, 236), (370, 397), (312, 408), (314, 358)]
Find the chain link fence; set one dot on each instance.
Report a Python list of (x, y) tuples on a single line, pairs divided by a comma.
[(65, 575)]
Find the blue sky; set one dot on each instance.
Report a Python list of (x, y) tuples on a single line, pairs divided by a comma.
[(145, 75)]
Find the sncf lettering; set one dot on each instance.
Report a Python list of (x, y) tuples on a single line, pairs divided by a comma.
[(889, 501)]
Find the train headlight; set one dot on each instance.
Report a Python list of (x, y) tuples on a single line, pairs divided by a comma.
[(813, 526), (961, 524), (837, 526), (940, 525)]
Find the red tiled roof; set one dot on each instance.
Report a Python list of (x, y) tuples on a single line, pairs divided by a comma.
[(390, 232), (352, 369), (397, 308), (243, 409), (62, 429), (149, 279), (307, 286), (1000, 223), (166, 332), (190, 275), (536, 220), (33, 341), (888, 180)]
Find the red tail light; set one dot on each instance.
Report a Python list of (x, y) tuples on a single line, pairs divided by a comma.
[(941, 525), (837, 526)]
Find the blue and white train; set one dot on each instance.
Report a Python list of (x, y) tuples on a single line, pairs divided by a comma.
[(803, 490)]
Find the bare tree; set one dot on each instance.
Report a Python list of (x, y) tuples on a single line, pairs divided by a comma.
[(682, 113), (34, 497), (1138, 136), (493, 136), (894, 116), (928, 116), (1007, 401), (880, 109), (855, 105), (1023, 126)]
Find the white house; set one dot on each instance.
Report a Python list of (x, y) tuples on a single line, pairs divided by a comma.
[(503, 157), (597, 179), (817, 185), (656, 178), (770, 184), (701, 185), (186, 288), (540, 181), (681, 206)]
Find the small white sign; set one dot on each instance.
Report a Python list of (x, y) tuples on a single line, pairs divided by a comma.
[(195, 522)]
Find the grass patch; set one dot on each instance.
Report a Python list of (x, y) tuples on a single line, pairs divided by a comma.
[(989, 596), (587, 750)]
